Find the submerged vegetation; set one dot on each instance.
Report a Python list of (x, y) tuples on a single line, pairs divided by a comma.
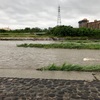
[(66, 45), (71, 67)]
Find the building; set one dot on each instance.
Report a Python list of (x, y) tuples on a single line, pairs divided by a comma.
[(87, 24), (5, 28)]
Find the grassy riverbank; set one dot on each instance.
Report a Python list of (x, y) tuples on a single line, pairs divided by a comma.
[(66, 45), (5, 35), (71, 67)]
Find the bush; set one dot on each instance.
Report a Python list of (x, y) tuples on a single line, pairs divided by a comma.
[(62, 31)]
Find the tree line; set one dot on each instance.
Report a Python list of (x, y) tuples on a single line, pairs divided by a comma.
[(26, 30), (60, 31), (63, 31)]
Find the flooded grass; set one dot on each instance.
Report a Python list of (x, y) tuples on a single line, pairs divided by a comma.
[(66, 45), (71, 67)]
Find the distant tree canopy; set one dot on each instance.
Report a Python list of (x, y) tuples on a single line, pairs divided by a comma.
[(60, 31), (70, 31), (2, 31), (26, 30)]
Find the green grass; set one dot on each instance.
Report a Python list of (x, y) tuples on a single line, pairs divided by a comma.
[(83, 41), (34, 34), (71, 67), (67, 45), (16, 35)]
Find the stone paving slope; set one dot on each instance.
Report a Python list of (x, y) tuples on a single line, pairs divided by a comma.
[(48, 89)]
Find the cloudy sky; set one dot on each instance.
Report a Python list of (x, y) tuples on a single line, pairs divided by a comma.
[(43, 13)]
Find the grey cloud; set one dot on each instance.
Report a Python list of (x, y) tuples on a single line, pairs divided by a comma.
[(43, 13)]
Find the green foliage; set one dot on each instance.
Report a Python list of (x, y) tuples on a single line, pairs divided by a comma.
[(2, 31), (23, 45), (67, 45), (26, 30), (52, 67), (15, 35), (71, 67), (63, 31), (58, 31)]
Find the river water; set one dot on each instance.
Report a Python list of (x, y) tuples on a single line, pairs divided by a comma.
[(15, 57)]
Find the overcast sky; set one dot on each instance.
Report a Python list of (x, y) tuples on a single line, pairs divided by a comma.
[(43, 13)]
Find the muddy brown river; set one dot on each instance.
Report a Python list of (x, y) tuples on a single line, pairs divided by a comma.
[(13, 57)]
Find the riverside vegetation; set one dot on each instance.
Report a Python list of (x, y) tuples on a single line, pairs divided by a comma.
[(58, 31), (27, 32), (71, 67), (76, 38), (69, 33), (65, 45)]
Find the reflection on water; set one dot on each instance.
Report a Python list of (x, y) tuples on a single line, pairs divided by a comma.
[(15, 57), (90, 59)]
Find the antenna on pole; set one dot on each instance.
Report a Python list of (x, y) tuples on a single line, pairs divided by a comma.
[(59, 17)]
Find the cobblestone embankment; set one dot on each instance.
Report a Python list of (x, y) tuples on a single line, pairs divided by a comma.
[(48, 89)]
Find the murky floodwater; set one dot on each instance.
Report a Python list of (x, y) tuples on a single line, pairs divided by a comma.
[(12, 56)]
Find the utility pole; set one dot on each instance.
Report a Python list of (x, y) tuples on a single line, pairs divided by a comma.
[(59, 17)]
